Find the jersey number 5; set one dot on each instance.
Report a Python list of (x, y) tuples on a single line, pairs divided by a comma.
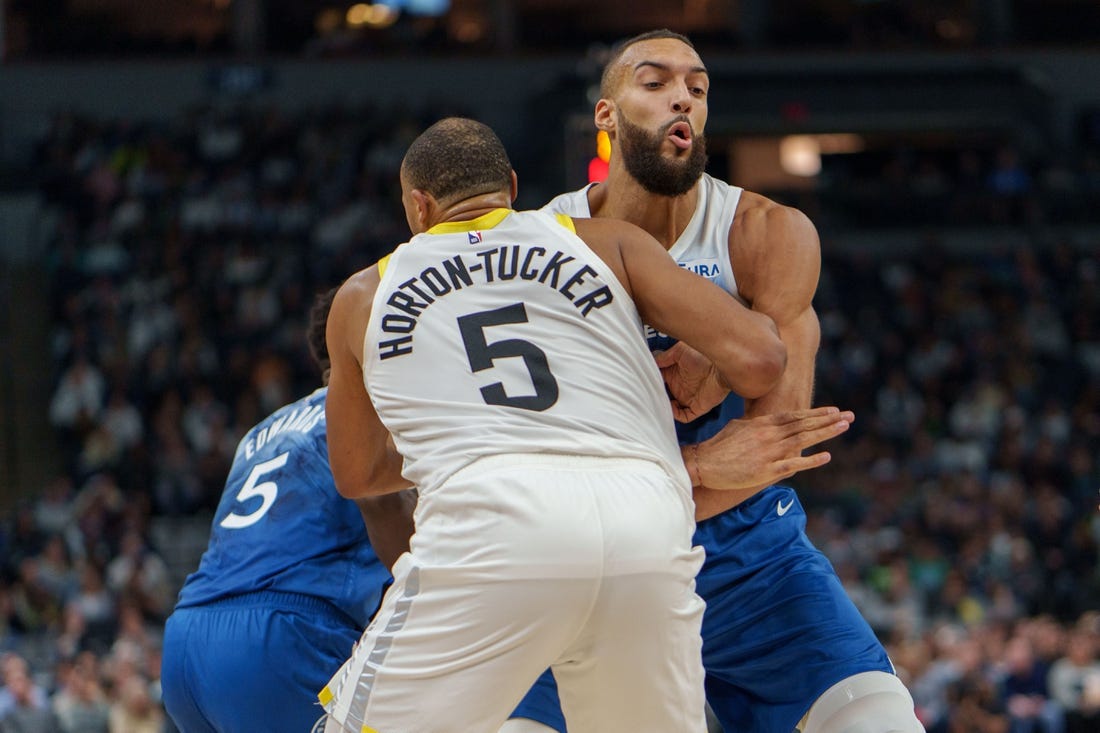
[(482, 353), (267, 490)]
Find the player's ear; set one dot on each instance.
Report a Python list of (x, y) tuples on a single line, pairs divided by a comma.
[(604, 116), (515, 186), (424, 208)]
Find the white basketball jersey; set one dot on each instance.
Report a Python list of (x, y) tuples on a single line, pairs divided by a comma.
[(703, 247), (507, 334)]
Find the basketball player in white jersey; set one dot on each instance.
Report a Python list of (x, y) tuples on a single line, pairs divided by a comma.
[(497, 362), (783, 646)]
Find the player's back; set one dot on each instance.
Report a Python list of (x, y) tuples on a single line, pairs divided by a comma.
[(507, 334), (281, 526)]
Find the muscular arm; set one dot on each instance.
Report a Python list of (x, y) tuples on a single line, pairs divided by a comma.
[(363, 459), (778, 276), (743, 345), (777, 263)]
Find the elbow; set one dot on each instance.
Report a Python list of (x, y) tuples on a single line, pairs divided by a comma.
[(359, 486), (370, 482), (771, 368), (359, 472), (352, 490), (759, 370)]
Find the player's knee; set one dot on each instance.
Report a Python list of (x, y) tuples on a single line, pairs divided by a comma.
[(869, 702), (525, 725)]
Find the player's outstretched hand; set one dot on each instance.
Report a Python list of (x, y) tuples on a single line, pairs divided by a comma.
[(692, 381), (759, 451)]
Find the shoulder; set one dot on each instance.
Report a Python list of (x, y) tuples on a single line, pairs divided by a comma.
[(361, 282), (351, 307), (774, 251), (769, 237), (762, 222), (358, 290), (614, 237), (618, 242)]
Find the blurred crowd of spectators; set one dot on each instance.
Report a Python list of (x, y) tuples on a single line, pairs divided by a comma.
[(960, 510), (961, 513)]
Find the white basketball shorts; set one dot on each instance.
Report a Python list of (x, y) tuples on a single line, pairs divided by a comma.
[(523, 562)]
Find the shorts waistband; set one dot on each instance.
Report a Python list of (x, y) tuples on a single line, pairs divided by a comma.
[(275, 599), (749, 510)]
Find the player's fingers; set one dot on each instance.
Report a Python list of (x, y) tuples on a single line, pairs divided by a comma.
[(793, 416), (816, 422), (812, 437), (680, 413), (790, 466)]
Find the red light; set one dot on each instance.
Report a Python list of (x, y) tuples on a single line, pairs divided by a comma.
[(597, 170)]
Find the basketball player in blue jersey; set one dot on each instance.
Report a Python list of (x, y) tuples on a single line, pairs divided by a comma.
[(285, 587), (783, 646)]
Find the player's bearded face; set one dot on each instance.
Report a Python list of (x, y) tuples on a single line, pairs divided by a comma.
[(656, 172)]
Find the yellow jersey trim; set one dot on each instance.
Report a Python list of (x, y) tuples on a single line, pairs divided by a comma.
[(485, 221), (383, 264), (368, 729), (566, 221), (325, 696)]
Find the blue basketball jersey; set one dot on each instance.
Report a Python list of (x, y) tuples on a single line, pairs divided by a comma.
[(281, 525)]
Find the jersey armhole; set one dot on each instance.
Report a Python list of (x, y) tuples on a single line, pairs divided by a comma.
[(383, 264)]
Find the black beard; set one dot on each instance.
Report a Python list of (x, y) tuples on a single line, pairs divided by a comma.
[(641, 151)]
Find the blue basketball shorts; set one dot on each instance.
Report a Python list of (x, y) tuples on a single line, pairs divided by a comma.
[(253, 662), (779, 628)]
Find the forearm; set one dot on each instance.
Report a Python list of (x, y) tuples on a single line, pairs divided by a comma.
[(794, 390), (389, 522), (794, 393), (750, 367), (711, 502)]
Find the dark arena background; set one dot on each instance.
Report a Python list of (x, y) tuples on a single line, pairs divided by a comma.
[(178, 178)]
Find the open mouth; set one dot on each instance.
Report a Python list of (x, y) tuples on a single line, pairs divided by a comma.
[(680, 135)]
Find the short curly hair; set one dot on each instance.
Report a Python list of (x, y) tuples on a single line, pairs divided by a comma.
[(457, 158)]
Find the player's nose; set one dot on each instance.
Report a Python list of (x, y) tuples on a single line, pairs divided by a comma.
[(681, 99)]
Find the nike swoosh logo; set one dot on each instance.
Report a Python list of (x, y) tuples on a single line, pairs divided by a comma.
[(781, 510)]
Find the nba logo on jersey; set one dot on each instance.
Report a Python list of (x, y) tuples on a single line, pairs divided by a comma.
[(474, 237)]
